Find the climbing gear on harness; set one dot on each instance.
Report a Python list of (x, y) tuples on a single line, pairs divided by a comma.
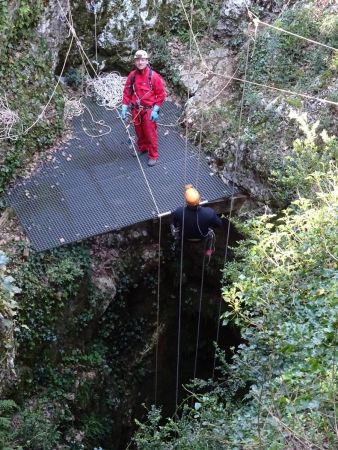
[(138, 106), (154, 113), (141, 54), (175, 232), (132, 81), (209, 241), (192, 196), (209, 246)]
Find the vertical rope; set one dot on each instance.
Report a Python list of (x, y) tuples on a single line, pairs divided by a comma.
[(199, 315), (179, 318), (40, 116), (73, 32), (199, 151), (95, 34), (158, 308), (231, 201), (141, 168), (179, 325)]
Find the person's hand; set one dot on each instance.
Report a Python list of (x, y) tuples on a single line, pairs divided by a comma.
[(123, 113), (154, 113)]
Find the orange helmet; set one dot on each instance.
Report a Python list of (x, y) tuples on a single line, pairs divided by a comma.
[(192, 196)]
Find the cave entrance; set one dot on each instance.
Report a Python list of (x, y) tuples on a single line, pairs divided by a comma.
[(229, 336)]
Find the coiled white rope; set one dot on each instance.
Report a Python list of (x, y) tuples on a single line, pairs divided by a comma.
[(107, 89), (8, 119), (73, 108)]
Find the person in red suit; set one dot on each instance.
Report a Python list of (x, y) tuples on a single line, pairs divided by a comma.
[(144, 93)]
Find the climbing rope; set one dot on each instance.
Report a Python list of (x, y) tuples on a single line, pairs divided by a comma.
[(100, 84), (158, 308), (199, 151), (273, 88), (95, 33), (257, 21), (192, 34), (199, 314), (179, 325), (100, 123), (70, 24), (107, 89), (131, 140), (8, 119), (73, 108), (231, 200)]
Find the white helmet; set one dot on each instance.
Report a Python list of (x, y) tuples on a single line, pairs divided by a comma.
[(141, 54)]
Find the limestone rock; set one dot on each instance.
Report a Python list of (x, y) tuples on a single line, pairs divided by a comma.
[(107, 286), (234, 18), (205, 79), (126, 20), (53, 26)]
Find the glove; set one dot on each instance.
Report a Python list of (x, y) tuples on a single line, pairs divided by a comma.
[(154, 113), (123, 113)]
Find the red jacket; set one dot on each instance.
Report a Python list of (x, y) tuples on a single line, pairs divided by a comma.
[(142, 90)]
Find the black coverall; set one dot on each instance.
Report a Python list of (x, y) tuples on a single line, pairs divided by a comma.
[(197, 221)]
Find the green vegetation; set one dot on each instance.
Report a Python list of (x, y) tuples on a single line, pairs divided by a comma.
[(282, 292), (75, 362), (280, 389), (50, 282), (162, 61), (26, 82), (8, 310), (8, 288), (264, 150), (310, 156), (35, 426), (205, 16), (284, 60)]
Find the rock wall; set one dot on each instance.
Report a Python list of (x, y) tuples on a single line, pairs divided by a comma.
[(255, 154), (53, 27)]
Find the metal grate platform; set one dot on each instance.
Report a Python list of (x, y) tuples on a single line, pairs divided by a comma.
[(93, 184)]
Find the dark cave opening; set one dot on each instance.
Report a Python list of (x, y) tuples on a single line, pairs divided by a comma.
[(176, 288)]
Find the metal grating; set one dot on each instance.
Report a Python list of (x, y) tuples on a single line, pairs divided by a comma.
[(93, 184)]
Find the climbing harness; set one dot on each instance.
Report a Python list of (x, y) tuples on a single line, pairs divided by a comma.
[(132, 82), (137, 120), (209, 241)]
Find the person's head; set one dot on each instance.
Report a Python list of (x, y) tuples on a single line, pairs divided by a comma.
[(192, 196), (141, 59)]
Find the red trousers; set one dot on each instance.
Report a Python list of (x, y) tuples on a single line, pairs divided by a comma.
[(146, 132)]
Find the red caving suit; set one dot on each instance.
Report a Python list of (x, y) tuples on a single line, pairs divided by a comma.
[(146, 96)]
